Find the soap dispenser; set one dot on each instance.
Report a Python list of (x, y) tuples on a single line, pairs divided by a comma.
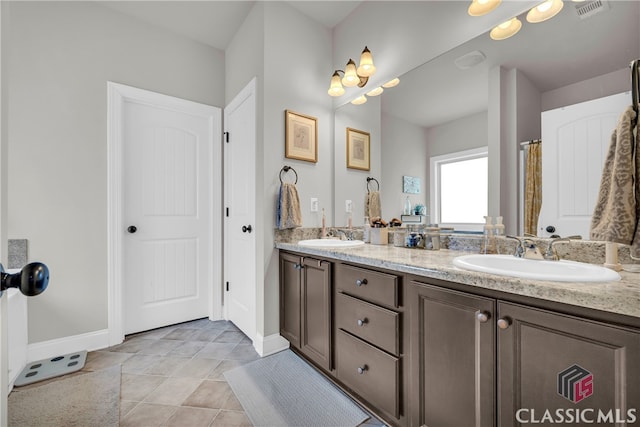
[(499, 227), (489, 239), (407, 206)]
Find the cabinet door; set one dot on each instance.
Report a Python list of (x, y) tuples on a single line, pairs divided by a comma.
[(452, 345), (290, 292), (315, 338), (556, 368)]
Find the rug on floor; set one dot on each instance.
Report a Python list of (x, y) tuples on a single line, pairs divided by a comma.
[(91, 399), (283, 390)]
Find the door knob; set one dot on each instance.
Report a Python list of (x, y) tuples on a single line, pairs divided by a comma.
[(246, 229), (132, 229), (550, 229)]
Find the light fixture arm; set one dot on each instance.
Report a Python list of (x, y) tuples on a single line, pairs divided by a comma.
[(363, 80)]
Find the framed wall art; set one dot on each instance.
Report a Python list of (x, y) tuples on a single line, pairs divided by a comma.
[(358, 149), (301, 137)]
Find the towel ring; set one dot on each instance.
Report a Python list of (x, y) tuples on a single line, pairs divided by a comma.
[(369, 179), (287, 169)]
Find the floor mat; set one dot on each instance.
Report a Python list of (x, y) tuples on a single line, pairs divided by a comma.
[(283, 390), (50, 368)]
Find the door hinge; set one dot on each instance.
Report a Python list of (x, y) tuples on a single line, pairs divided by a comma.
[(227, 286), (227, 212), (226, 136)]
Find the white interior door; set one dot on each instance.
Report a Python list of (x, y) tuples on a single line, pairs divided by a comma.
[(240, 195), (168, 258), (575, 140)]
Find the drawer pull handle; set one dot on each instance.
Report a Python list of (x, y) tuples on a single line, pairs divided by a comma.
[(362, 322), (362, 369), (504, 323), (482, 316), (361, 282)]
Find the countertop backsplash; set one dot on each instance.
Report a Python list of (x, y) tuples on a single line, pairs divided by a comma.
[(576, 250)]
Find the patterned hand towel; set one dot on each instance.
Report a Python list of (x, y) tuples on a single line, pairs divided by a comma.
[(615, 216), (288, 214), (372, 204)]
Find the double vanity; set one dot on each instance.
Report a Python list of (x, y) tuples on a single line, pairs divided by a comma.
[(421, 341)]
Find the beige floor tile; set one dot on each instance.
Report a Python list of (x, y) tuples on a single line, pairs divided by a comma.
[(209, 335), (188, 349), (166, 365), (97, 360), (160, 347), (148, 415), (133, 345), (233, 404), (126, 406), (230, 336), (243, 352), (218, 372), (197, 368), (192, 417), (137, 387), (139, 363), (216, 350), (231, 418), (210, 394), (182, 334), (173, 391)]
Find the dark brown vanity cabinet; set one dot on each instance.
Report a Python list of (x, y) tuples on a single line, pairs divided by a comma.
[(479, 361), (452, 357), (305, 306), (565, 367), (368, 331)]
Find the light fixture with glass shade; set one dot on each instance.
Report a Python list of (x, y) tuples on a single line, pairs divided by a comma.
[(359, 100), (375, 92), (545, 10), (482, 7), (506, 29), (391, 83), (352, 75)]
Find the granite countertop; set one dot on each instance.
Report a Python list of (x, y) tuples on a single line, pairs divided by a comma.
[(620, 297)]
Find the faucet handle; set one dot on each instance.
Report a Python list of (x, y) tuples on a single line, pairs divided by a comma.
[(519, 253), (551, 253)]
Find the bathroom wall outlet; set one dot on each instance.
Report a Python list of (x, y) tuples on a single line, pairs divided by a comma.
[(348, 205), (314, 204)]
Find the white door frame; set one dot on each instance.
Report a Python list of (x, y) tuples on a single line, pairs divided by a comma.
[(117, 95)]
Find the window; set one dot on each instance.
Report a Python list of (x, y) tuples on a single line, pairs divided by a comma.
[(459, 189)]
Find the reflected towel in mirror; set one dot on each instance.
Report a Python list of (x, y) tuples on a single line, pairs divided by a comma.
[(615, 216), (372, 204), (288, 214)]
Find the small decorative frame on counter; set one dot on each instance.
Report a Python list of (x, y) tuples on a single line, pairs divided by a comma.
[(301, 137), (358, 149)]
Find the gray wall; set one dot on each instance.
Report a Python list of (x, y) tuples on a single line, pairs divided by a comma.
[(404, 152), (61, 56), (351, 184)]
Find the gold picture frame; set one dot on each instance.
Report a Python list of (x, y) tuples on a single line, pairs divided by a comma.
[(358, 149), (301, 137)]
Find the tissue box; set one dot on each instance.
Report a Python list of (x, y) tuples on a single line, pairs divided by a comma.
[(379, 236)]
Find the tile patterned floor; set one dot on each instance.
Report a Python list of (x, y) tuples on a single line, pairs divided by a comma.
[(173, 376)]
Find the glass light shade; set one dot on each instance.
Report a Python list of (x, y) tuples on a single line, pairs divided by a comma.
[(482, 7), (375, 92), (544, 11), (506, 29), (350, 78), (391, 83), (336, 88), (366, 68), (359, 100)]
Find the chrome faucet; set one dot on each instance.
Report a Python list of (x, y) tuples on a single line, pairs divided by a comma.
[(551, 254), (342, 234), (525, 248)]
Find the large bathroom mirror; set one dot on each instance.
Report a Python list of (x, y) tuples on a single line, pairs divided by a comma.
[(442, 107)]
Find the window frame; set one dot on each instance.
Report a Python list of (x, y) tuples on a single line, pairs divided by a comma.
[(434, 185)]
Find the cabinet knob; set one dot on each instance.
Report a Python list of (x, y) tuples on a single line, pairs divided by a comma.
[(298, 266), (361, 282), (362, 322), (482, 316), (362, 369), (504, 323)]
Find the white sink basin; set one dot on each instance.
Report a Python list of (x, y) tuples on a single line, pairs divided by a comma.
[(561, 271), (330, 243)]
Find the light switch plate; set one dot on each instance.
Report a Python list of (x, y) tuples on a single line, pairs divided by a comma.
[(348, 206), (314, 204)]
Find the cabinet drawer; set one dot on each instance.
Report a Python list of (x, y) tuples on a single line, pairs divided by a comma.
[(369, 285), (377, 325), (371, 373)]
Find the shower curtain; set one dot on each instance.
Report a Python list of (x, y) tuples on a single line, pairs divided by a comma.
[(533, 188)]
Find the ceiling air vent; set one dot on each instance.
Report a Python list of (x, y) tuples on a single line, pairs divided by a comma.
[(589, 8)]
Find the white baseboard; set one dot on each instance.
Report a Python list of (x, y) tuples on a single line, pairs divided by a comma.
[(90, 341), (270, 344)]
